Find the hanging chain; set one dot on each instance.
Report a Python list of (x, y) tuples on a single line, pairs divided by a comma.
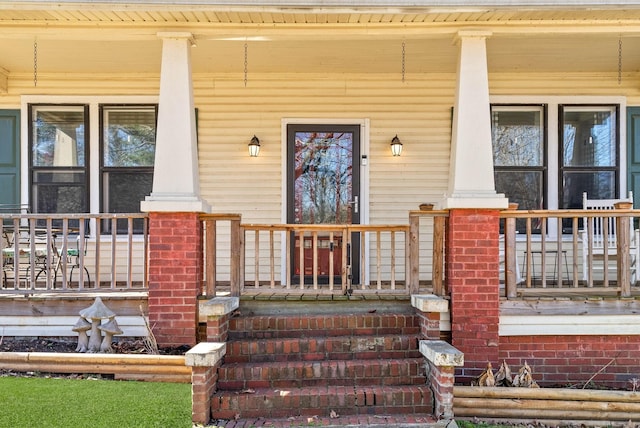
[(403, 60), (619, 59), (246, 50), (35, 62)]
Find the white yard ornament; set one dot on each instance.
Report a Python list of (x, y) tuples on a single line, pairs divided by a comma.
[(93, 316)]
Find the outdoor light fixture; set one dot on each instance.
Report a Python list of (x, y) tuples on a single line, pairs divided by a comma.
[(396, 146), (254, 147)]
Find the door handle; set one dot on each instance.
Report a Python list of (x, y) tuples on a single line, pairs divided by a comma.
[(355, 204)]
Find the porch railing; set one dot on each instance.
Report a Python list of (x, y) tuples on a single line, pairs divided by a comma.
[(73, 252), (551, 252), (294, 258)]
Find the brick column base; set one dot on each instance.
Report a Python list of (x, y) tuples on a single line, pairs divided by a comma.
[(442, 359), (441, 380), (218, 328), (204, 381), (218, 312), (175, 276), (204, 360), (428, 308), (473, 277)]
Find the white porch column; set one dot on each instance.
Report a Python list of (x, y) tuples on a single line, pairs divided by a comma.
[(176, 183), (471, 183)]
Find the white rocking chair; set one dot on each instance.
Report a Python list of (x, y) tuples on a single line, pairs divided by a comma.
[(599, 240)]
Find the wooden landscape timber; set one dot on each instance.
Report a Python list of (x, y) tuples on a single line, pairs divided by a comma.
[(546, 405), (158, 368)]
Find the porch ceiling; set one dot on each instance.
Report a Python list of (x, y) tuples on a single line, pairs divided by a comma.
[(116, 38), (544, 53)]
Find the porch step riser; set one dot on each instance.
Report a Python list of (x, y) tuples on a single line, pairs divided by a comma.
[(320, 348), (322, 373), (312, 401), (271, 327), (309, 365)]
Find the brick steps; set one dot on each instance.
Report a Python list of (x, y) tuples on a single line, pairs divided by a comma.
[(351, 421), (322, 348), (343, 400), (289, 326), (235, 376), (415, 420), (310, 365)]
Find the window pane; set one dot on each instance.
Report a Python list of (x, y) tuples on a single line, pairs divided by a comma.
[(58, 136), (525, 188), (517, 136), (589, 137), (53, 176), (129, 136), (126, 190), (59, 198), (59, 192), (597, 184)]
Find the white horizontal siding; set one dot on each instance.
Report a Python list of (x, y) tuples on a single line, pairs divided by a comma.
[(546, 325), (229, 114), (60, 326)]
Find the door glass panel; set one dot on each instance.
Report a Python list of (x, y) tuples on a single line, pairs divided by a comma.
[(323, 168)]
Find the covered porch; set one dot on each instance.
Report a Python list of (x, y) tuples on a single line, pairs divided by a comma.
[(114, 108)]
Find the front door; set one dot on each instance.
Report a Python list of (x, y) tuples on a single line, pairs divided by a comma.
[(633, 158), (323, 187)]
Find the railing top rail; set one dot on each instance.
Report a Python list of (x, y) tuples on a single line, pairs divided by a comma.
[(220, 216), (327, 227), (82, 216), (429, 213), (569, 213)]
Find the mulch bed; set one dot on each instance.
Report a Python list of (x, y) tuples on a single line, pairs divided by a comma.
[(68, 345)]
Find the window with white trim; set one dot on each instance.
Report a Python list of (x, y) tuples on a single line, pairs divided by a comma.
[(60, 144), (127, 147), (58, 158), (585, 156), (589, 153)]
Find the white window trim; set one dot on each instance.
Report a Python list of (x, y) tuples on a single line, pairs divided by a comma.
[(553, 102)]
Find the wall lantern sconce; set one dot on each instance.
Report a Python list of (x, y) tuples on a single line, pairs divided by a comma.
[(254, 147), (396, 146)]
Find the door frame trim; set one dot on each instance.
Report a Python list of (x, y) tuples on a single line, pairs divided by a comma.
[(363, 123)]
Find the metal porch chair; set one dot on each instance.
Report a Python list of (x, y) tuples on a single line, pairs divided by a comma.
[(74, 257)]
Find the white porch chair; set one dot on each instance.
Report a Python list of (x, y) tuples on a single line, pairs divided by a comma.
[(596, 226)]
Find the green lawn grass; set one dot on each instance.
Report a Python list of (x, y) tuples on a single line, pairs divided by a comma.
[(80, 403)]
